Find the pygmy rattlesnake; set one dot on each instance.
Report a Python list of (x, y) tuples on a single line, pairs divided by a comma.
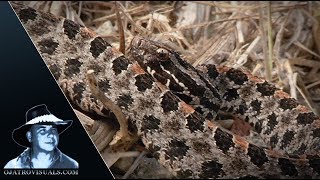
[(150, 85)]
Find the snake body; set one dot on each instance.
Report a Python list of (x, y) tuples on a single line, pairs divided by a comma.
[(172, 105)]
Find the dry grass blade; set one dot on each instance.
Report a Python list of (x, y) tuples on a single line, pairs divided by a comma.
[(80, 8), (122, 47), (243, 57), (217, 43), (134, 165), (270, 51), (226, 5), (141, 30), (114, 157), (134, 10), (291, 78), (305, 62), (265, 44), (306, 49), (313, 84), (305, 94), (209, 23)]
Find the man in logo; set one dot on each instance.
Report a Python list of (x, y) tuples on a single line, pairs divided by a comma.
[(40, 135)]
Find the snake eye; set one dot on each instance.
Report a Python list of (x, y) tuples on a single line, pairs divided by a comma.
[(163, 53)]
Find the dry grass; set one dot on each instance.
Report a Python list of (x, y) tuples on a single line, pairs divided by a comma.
[(279, 41)]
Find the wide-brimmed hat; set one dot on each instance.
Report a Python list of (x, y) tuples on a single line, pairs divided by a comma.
[(38, 115)]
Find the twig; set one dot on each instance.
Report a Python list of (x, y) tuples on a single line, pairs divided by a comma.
[(93, 84), (121, 30)]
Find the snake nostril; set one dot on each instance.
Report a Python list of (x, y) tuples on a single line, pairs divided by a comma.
[(163, 53)]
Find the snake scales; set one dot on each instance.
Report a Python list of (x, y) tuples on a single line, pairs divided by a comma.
[(170, 104)]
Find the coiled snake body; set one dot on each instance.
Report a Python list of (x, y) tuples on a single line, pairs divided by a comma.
[(172, 105)]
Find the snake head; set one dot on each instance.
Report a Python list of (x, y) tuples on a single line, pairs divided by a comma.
[(147, 51), (156, 58)]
